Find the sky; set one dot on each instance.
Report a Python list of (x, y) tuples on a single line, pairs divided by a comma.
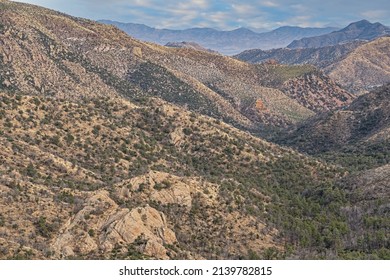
[(227, 14)]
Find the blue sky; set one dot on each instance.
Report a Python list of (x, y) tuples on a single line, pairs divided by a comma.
[(228, 14)]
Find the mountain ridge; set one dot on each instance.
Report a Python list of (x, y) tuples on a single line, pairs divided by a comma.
[(356, 66), (320, 57), (360, 30), (222, 41)]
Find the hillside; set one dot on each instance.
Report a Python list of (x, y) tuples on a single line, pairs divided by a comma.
[(320, 57), (88, 155), (368, 215), (112, 149), (356, 136), (225, 42), (361, 30), (357, 66), (366, 67), (317, 92), (207, 83), (310, 87)]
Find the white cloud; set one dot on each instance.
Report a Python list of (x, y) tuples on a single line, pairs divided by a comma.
[(245, 10), (270, 4), (299, 8), (375, 14)]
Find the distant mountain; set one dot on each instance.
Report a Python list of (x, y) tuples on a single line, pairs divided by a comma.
[(188, 45), (225, 42), (357, 66), (361, 30), (320, 57)]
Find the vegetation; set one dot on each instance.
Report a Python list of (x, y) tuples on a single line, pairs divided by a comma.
[(101, 141), (158, 81)]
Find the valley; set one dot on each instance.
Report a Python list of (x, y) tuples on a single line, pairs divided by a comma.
[(116, 148)]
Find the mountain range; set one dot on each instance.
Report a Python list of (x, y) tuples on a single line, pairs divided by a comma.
[(320, 57), (225, 42), (114, 148), (356, 66), (360, 30)]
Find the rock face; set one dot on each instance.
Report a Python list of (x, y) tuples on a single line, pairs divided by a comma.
[(142, 222), (163, 188), (101, 224)]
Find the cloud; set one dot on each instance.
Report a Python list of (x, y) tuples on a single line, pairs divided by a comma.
[(226, 14), (245, 10), (376, 14), (269, 4)]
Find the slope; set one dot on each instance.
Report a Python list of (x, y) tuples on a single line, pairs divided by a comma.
[(78, 47), (356, 136), (368, 215), (306, 85), (357, 66), (93, 166), (364, 68), (320, 57)]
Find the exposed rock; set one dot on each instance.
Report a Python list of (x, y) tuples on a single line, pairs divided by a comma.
[(144, 222), (102, 224), (137, 51)]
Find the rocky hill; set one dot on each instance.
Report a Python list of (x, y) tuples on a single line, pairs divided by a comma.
[(307, 85), (225, 42), (357, 66), (317, 92), (111, 149), (361, 30), (320, 57), (206, 83), (366, 67)]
